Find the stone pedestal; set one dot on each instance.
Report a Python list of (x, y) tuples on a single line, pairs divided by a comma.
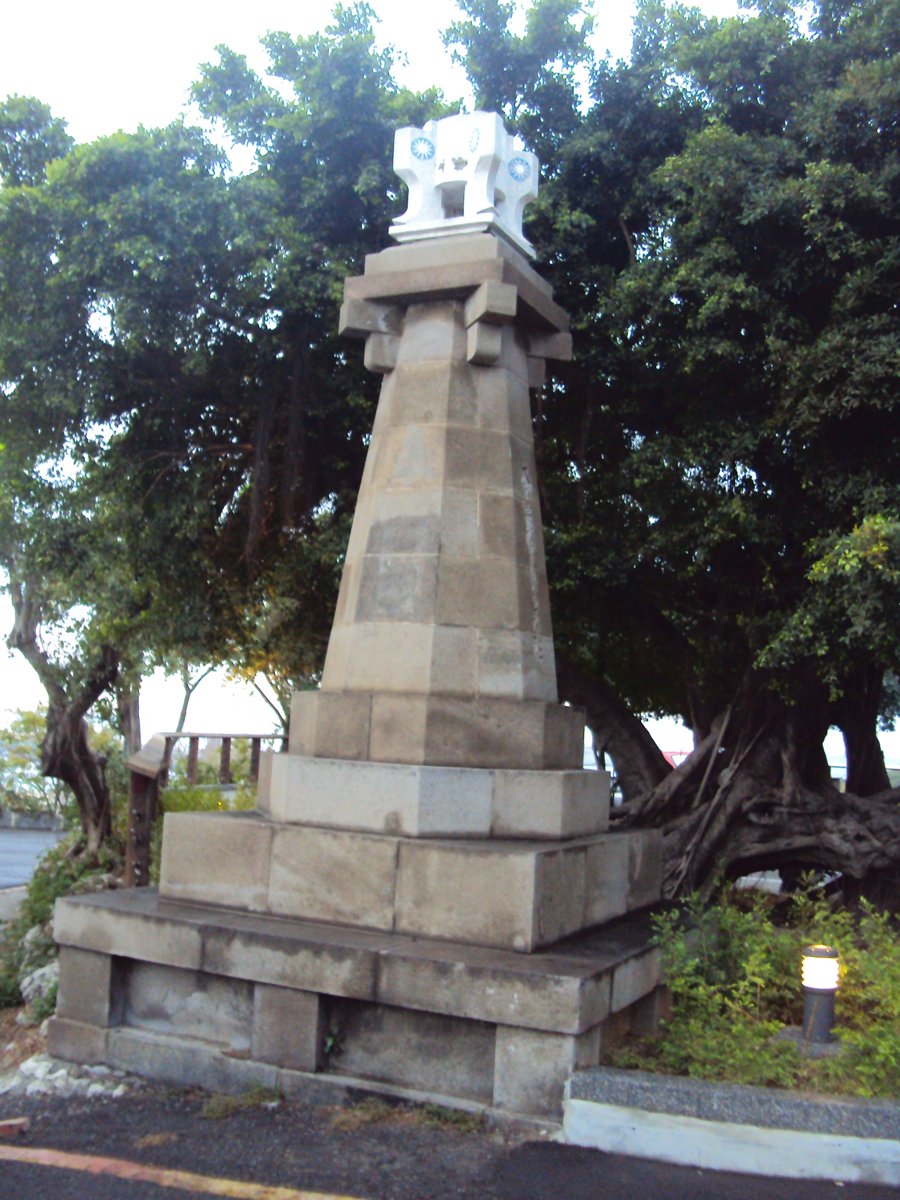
[(429, 881)]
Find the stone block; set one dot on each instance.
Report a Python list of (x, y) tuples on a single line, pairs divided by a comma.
[(89, 987), (325, 875), (216, 858), (397, 587), (75, 1041), (331, 724), (501, 527), (386, 656), (426, 1051), (531, 1068), (433, 332), (479, 459), (557, 346), (484, 344), (273, 951), (287, 1028), (477, 592), (550, 804), (392, 798), (408, 456), (606, 878), (459, 522), (398, 533), (189, 1004), (559, 892), (358, 318), (264, 780), (644, 868), (467, 894), (492, 302), (634, 979), (85, 923), (381, 352), (537, 992), (514, 663), (186, 1063), (399, 728), (454, 661)]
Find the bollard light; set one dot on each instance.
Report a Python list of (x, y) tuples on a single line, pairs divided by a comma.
[(820, 981)]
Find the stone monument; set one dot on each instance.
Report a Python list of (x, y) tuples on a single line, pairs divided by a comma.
[(427, 897)]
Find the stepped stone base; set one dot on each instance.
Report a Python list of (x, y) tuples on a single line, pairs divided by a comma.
[(205, 995), (400, 727), (421, 801), (515, 895)]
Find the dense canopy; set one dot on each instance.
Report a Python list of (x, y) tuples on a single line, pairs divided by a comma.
[(184, 431)]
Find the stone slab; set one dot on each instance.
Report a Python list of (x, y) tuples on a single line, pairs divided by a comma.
[(440, 730), (564, 990), (456, 269), (414, 800)]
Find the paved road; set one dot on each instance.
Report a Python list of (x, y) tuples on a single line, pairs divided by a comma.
[(319, 1151), (20, 850)]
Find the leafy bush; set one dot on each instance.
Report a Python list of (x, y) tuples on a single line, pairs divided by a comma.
[(733, 969)]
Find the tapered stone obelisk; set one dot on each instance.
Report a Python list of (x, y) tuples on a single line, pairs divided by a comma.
[(430, 830)]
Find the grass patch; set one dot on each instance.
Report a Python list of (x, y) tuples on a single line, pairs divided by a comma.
[(733, 969), (218, 1106), (375, 1110)]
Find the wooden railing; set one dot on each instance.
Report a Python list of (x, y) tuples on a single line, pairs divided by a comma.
[(149, 773)]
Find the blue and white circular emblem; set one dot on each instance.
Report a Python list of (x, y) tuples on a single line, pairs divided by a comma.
[(422, 148), (519, 168)]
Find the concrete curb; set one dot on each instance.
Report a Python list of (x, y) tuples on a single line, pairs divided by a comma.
[(724, 1127)]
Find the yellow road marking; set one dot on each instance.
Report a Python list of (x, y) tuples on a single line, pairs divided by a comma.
[(186, 1180)]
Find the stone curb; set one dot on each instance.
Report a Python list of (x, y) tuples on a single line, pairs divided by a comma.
[(757, 1131)]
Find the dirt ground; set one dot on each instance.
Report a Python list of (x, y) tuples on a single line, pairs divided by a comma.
[(17, 1042)]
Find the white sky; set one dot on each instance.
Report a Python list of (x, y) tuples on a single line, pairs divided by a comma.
[(103, 68)]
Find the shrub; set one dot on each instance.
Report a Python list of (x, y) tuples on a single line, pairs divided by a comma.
[(733, 971)]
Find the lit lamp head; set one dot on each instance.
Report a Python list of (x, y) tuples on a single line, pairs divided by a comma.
[(820, 982)]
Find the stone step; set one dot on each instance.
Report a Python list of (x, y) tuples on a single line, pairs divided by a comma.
[(511, 894)]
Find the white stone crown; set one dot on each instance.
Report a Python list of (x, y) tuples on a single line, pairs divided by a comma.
[(465, 174)]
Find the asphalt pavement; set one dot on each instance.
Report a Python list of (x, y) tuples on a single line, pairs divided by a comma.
[(20, 850), (359, 1150)]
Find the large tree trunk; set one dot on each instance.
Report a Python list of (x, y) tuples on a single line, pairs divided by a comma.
[(857, 718), (640, 765), (754, 795), (65, 752)]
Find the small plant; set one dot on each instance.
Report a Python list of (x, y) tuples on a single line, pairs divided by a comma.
[(733, 971)]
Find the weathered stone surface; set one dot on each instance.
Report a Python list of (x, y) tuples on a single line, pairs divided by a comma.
[(413, 800), (399, 726), (188, 1004), (271, 951), (180, 1061), (116, 928), (531, 1069), (76, 1041), (216, 858), (288, 1028), (414, 1049), (336, 876), (89, 987)]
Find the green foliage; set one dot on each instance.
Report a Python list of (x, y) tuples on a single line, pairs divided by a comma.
[(733, 969)]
